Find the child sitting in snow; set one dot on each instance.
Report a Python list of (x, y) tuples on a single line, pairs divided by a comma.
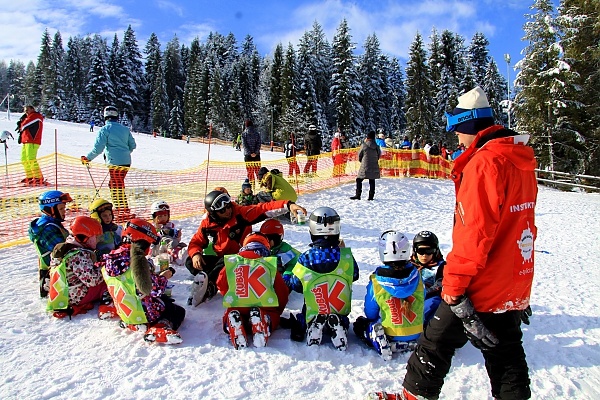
[(170, 237), (138, 292), (287, 256), (102, 211), (394, 300), (254, 292), (75, 281), (246, 196), (429, 260), (47, 231), (324, 274)]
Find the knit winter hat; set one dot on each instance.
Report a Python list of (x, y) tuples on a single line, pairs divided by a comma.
[(371, 135), (261, 172), (312, 128), (248, 123), (246, 185), (472, 113)]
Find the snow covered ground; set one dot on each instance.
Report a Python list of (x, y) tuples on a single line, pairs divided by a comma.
[(46, 358)]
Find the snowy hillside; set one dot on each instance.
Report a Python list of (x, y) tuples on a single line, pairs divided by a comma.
[(85, 358)]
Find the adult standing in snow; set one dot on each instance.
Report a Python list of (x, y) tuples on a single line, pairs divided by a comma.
[(30, 127), (339, 157), (312, 144), (251, 142), (368, 155), (488, 276), (117, 143)]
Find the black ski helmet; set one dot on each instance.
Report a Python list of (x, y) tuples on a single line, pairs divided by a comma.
[(215, 201), (426, 238), (111, 112)]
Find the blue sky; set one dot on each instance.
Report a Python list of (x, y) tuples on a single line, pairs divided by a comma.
[(269, 22)]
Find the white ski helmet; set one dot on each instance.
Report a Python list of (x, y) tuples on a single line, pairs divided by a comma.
[(5, 135), (393, 246), (324, 221), (111, 112), (159, 205)]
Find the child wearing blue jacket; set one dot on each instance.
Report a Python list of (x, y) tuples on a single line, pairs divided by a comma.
[(324, 274), (428, 259), (394, 302)]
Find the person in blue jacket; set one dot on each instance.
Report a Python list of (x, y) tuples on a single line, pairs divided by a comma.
[(47, 231), (395, 300), (117, 143), (324, 274), (429, 260)]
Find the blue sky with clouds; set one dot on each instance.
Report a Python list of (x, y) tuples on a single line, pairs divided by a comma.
[(269, 22)]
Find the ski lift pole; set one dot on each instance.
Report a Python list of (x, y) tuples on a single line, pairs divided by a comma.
[(208, 160)]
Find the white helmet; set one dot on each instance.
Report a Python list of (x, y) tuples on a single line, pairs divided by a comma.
[(324, 221), (111, 112), (159, 205), (5, 135), (393, 246)]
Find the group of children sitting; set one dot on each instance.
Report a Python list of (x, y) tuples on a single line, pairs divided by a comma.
[(99, 261)]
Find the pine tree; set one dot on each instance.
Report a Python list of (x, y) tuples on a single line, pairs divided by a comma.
[(15, 80), (99, 88), (176, 120), (159, 102), (398, 98), (132, 82), (373, 81), (539, 82), (495, 88), (580, 119), (345, 86), (44, 64), (153, 63), (173, 70), (418, 106), (479, 58), (275, 78)]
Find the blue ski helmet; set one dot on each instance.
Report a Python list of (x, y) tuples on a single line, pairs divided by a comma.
[(53, 198)]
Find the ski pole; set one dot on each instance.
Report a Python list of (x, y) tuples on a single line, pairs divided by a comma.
[(6, 164)]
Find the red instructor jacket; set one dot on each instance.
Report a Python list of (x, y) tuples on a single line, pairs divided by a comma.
[(492, 257)]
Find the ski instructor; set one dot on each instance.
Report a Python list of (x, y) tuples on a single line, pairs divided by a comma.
[(489, 272), (117, 143)]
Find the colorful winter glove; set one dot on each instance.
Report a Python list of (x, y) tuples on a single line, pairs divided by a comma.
[(84, 160), (525, 314), (478, 334)]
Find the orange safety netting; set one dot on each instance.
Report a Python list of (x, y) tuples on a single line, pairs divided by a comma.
[(183, 190)]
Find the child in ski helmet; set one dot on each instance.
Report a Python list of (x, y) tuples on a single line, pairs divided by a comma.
[(47, 231), (324, 268), (144, 305), (287, 256), (74, 265), (170, 241), (102, 211), (394, 300), (254, 293), (246, 196), (429, 260)]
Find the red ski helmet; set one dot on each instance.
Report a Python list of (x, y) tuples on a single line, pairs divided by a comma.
[(139, 229)]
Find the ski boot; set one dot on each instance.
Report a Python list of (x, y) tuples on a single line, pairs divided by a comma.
[(314, 331), (339, 336), (403, 347), (134, 327), (403, 395), (237, 333), (107, 311), (380, 342), (198, 289), (261, 329), (162, 332)]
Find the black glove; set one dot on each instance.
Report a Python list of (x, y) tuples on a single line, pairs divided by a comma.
[(525, 314), (478, 334), (19, 138)]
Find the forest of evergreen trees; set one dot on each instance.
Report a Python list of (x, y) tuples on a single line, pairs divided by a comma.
[(218, 83)]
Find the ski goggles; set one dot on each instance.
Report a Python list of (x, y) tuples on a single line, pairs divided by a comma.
[(325, 219), (63, 198), (221, 202), (163, 207), (425, 251), (100, 209), (452, 121)]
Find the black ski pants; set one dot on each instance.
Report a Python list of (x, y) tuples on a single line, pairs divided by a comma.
[(505, 364)]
